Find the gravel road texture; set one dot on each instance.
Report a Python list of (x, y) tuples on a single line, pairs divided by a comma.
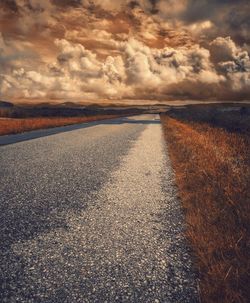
[(92, 215)]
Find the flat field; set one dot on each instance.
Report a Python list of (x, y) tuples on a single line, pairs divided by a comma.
[(14, 126), (17, 119), (209, 148)]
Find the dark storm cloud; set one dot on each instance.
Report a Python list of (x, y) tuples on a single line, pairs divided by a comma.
[(9, 5), (201, 10), (229, 17), (195, 10), (67, 3)]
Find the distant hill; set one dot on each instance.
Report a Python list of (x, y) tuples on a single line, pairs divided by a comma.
[(5, 104)]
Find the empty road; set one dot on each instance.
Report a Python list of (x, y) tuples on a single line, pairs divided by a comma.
[(90, 214)]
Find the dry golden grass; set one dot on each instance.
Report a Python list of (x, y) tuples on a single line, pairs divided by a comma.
[(212, 169), (14, 126)]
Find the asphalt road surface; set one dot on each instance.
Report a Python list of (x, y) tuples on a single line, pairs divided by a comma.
[(91, 214)]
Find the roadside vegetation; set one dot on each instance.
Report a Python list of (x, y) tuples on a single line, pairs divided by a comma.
[(14, 126), (18, 119), (210, 151)]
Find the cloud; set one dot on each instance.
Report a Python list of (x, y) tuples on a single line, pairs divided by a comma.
[(233, 62), (124, 49), (223, 49), (229, 57), (141, 71)]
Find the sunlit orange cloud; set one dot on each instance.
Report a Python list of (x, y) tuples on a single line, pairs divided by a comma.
[(124, 50)]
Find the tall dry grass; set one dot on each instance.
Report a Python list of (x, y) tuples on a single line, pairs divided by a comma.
[(14, 126), (212, 168)]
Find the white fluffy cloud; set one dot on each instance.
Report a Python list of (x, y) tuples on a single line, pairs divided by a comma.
[(139, 72), (233, 62)]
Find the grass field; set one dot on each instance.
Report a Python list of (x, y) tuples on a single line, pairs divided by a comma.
[(20, 118), (14, 126), (211, 159)]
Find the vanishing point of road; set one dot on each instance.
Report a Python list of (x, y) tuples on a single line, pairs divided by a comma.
[(90, 213)]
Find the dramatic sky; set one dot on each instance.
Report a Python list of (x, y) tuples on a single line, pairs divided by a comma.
[(121, 49)]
